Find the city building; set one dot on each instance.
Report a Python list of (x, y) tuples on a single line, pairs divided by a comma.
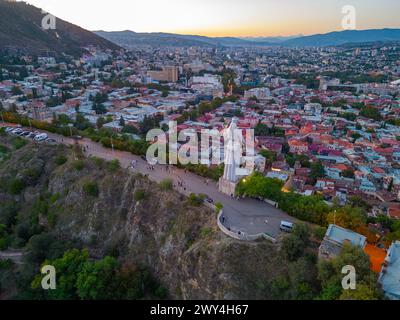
[(335, 238), (390, 275), (167, 74)]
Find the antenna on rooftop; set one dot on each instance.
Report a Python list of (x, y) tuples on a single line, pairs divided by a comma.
[(334, 217)]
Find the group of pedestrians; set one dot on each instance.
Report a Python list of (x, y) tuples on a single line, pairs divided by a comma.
[(133, 164), (181, 184), (235, 197), (168, 169)]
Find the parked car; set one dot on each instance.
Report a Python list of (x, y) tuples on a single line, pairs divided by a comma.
[(25, 134), (9, 129), (41, 137), (51, 142), (17, 131), (287, 226)]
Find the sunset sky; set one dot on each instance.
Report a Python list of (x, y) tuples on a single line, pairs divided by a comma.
[(222, 17)]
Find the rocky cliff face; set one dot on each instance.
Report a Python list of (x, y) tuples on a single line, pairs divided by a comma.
[(113, 211)]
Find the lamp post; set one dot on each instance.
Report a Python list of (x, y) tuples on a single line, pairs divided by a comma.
[(334, 217), (112, 146), (70, 128)]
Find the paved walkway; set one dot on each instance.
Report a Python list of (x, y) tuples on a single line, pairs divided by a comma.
[(15, 256), (245, 215)]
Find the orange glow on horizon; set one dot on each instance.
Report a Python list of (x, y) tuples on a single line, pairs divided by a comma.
[(222, 18)]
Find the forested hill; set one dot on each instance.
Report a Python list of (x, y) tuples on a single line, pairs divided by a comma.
[(21, 28)]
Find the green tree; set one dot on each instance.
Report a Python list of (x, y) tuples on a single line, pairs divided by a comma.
[(16, 91), (99, 108), (362, 292), (16, 185), (348, 173), (317, 170), (96, 281), (293, 246), (43, 246), (100, 122), (149, 123), (269, 156), (348, 217), (122, 121), (330, 272), (79, 277), (165, 93), (371, 113), (68, 268), (81, 123), (355, 136)]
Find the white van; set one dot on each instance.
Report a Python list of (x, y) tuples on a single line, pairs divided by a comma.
[(41, 137), (286, 226)]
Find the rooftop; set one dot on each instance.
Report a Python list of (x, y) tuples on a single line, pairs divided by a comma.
[(377, 257), (390, 276), (341, 236)]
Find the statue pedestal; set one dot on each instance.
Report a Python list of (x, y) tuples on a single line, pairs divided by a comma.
[(227, 187)]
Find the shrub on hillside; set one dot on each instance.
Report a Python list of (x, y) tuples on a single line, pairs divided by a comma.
[(113, 165), (60, 160), (140, 195), (78, 165), (32, 175), (166, 184), (196, 200), (99, 162), (15, 186), (18, 143), (91, 189)]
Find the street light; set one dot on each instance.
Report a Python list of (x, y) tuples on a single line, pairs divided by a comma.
[(112, 146), (334, 217), (70, 128)]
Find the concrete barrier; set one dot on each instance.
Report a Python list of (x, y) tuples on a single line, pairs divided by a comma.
[(238, 235)]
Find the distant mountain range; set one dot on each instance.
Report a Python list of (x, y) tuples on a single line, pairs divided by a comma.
[(21, 28), (278, 39), (131, 39), (343, 37)]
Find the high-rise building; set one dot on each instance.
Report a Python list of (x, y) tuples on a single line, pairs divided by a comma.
[(168, 73)]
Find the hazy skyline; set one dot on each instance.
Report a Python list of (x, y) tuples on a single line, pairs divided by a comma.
[(222, 17)]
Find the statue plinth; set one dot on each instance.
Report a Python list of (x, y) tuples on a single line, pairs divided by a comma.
[(233, 140), (227, 187)]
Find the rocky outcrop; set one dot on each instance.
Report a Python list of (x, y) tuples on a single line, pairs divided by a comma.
[(138, 221)]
